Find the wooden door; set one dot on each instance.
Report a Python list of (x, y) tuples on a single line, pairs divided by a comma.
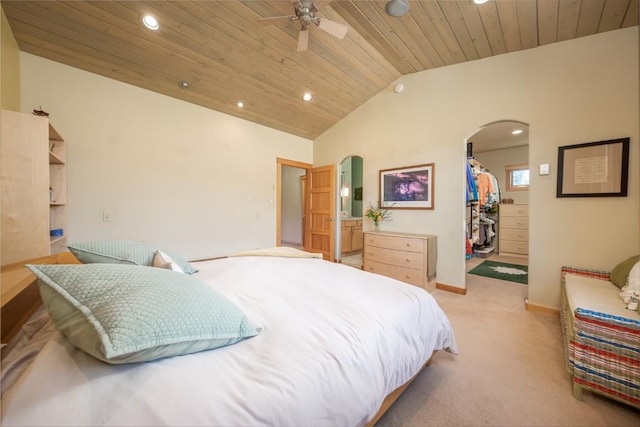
[(321, 203)]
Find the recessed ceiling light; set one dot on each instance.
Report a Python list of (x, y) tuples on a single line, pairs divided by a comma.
[(517, 132), (307, 97), (150, 22), (183, 84), (240, 104)]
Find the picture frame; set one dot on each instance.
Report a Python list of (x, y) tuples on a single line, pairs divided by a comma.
[(408, 187), (594, 169), (357, 194)]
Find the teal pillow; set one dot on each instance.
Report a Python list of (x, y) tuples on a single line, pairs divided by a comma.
[(620, 272), (122, 252), (128, 313)]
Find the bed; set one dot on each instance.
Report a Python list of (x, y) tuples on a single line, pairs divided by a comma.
[(336, 346)]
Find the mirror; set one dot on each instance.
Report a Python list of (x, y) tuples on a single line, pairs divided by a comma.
[(350, 222)]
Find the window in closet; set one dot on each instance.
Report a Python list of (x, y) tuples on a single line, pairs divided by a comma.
[(517, 177)]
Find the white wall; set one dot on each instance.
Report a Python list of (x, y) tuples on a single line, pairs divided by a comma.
[(193, 180), (9, 67), (496, 160), (571, 92)]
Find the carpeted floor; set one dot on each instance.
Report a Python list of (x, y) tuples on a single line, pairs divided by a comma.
[(510, 370), (503, 271)]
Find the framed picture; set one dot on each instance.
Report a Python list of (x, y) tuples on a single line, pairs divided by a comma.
[(594, 169), (409, 187), (357, 193)]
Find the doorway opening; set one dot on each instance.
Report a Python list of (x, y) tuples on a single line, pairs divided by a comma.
[(349, 224), (291, 211), (497, 195)]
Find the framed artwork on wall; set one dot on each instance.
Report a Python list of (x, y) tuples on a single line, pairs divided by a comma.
[(410, 187), (594, 169)]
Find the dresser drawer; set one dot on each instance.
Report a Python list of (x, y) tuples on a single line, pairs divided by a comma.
[(520, 235), (408, 275), (514, 247), (394, 242), (514, 222), (413, 260), (514, 210)]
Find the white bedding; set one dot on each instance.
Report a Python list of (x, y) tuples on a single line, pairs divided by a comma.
[(337, 340)]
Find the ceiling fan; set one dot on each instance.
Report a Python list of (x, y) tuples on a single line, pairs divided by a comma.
[(305, 12)]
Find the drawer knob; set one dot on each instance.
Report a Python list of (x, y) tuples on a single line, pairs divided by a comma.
[(408, 245), (408, 260)]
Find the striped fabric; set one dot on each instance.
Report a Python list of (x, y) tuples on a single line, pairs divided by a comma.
[(602, 351), (596, 274)]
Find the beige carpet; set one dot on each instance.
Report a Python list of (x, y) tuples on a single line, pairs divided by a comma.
[(510, 370)]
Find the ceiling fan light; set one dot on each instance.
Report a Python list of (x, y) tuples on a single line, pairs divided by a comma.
[(240, 104), (397, 8)]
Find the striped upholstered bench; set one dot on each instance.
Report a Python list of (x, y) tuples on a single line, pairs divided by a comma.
[(601, 337)]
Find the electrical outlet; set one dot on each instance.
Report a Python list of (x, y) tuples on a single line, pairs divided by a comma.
[(106, 216)]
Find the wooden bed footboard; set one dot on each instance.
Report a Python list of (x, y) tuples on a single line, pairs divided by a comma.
[(19, 294), (395, 394)]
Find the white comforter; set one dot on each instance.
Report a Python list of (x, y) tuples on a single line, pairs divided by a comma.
[(337, 340)]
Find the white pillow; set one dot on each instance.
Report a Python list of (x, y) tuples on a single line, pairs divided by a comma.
[(633, 284), (162, 260)]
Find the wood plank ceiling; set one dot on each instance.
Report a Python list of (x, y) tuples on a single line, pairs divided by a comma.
[(226, 56)]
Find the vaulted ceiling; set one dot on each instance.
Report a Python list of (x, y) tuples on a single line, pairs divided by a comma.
[(224, 55)]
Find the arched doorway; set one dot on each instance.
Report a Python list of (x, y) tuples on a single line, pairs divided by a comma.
[(496, 211), (349, 223)]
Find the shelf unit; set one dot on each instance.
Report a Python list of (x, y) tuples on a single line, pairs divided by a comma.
[(57, 190), (34, 187)]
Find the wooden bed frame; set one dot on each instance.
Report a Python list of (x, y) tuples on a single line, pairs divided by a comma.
[(20, 298), (19, 295)]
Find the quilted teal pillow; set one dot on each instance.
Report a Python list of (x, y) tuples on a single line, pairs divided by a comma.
[(122, 252), (128, 313)]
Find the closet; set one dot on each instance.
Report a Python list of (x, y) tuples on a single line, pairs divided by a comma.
[(482, 196)]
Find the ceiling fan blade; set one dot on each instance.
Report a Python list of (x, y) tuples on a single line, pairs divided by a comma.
[(275, 20), (334, 28), (303, 40)]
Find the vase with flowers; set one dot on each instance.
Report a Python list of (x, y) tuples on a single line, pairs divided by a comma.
[(378, 215)]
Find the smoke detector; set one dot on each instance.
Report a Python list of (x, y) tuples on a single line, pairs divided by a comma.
[(397, 8)]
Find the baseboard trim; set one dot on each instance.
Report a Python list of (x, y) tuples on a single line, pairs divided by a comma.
[(453, 289), (540, 309)]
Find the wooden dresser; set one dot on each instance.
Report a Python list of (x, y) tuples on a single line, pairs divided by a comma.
[(407, 257), (513, 231)]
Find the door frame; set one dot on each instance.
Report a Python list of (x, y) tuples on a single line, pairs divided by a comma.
[(280, 162)]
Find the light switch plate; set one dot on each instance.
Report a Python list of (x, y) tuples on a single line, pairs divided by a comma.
[(544, 169)]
